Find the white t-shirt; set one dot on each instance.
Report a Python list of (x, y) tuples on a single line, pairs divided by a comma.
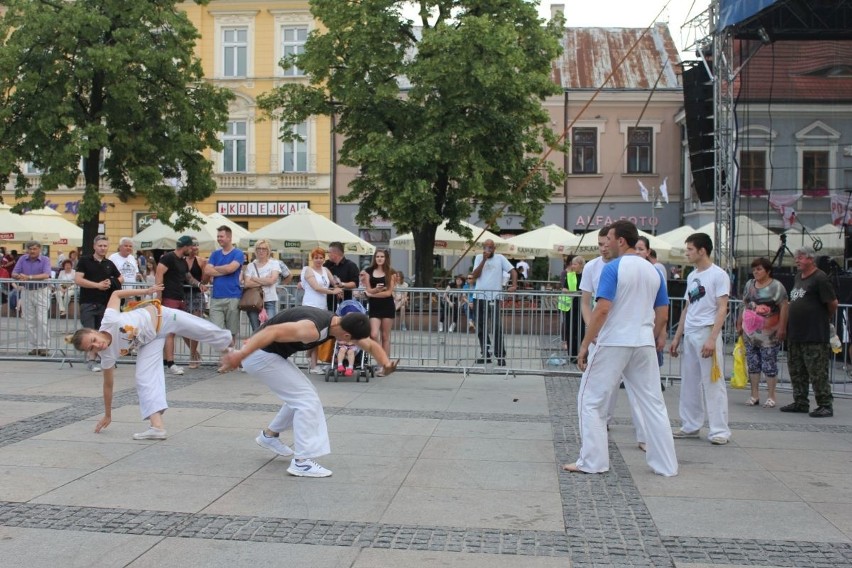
[(523, 268), (127, 266), (312, 297), (117, 324), (635, 288), (702, 289), (592, 275), (270, 293), (490, 281)]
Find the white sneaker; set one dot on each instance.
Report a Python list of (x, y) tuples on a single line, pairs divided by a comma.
[(94, 366), (273, 444), (307, 468), (452, 327), (175, 370), (151, 434), (317, 371), (440, 326)]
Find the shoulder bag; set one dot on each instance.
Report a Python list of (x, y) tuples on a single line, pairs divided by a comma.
[(251, 299)]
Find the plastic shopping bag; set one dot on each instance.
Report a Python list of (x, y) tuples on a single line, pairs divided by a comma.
[(739, 379)]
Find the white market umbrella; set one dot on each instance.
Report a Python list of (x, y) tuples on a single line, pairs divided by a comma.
[(752, 240), (589, 246), (449, 243), (158, 235), (831, 238), (53, 222), (540, 242), (305, 230), (16, 228), (676, 238)]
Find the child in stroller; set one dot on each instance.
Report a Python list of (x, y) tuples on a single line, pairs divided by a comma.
[(358, 359), (346, 354)]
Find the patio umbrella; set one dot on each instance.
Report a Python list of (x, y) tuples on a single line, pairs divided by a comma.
[(305, 230), (539, 242), (160, 236), (676, 238), (448, 243), (831, 238), (588, 247), (53, 222), (16, 228), (752, 239)]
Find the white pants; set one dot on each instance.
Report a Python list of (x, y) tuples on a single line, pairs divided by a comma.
[(696, 390), (36, 307), (638, 423), (302, 410), (150, 374), (641, 375)]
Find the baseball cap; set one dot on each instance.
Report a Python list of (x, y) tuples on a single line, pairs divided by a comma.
[(184, 241)]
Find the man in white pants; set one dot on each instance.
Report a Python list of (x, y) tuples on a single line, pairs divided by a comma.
[(588, 287), (627, 325), (266, 356), (700, 327)]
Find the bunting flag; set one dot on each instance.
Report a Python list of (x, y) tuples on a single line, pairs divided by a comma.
[(643, 190), (783, 203), (664, 191)]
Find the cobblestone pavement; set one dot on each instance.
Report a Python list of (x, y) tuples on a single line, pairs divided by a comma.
[(606, 519)]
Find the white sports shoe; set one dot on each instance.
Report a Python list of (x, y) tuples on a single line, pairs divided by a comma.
[(317, 371), (175, 370), (94, 366), (452, 327), (440, 326), (151, 434), (307, 468), (274, 445)]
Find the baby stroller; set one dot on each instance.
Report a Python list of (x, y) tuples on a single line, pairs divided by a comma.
[(361, 367)]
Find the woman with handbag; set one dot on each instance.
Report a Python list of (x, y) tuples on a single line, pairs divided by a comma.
[(317, 283), (763, 325), (261, 276)]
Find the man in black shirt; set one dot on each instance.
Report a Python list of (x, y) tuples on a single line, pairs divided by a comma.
[(265, 355), (345, 274), (172, 273), (97, 277)]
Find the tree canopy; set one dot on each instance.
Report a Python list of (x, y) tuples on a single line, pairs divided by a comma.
[(112, 90), (442, 114)]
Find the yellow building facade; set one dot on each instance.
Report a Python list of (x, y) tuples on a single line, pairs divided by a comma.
[(260, 178)]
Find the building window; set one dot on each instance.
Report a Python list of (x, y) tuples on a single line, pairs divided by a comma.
[(639, 150), (815, 170), (753, 172), (584, 151), (235, 52), (235, 141), (295, 151), (293, 43)]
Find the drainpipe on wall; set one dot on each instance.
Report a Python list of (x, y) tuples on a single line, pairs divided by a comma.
[(333, 193), (565, 158)]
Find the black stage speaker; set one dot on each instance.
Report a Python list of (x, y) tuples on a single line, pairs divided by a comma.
[(698, 108)]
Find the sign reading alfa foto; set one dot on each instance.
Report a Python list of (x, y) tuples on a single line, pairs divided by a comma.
[(260, 208)]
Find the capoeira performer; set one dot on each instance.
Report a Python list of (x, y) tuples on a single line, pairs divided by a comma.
[(143, 329), (627, 324), (266, 356)]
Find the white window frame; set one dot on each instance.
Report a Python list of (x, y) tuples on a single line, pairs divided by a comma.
[(227, 137), (229, 19), (756, 138), (288, 19), (817, 137), (306, 144), (655, 126), (235, 52)]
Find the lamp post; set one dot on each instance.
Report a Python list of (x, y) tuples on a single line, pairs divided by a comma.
[(656, 203)]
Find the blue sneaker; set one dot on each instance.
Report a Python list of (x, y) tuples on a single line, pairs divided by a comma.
[(307, 468)]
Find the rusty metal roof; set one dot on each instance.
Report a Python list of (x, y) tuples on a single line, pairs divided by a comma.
[(592, 53)]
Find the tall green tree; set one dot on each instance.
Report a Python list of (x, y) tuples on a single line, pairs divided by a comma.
[(442, 114), (111, 89)]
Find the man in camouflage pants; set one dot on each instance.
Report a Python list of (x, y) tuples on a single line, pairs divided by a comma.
[(812, 307)]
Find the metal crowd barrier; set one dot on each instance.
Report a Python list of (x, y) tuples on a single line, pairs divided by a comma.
[(438, 330)]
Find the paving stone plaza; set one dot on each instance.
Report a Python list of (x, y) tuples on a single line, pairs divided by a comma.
[(430, 469)]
